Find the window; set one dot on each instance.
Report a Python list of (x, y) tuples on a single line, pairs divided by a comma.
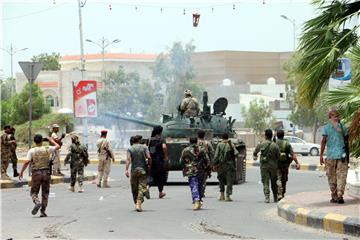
[(50, 100)]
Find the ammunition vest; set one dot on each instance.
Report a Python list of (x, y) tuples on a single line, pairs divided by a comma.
[(40, 159)]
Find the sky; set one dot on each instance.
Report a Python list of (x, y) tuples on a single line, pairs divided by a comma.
[(147, 26)]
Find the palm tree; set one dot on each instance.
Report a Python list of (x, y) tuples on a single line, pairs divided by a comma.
[(326, 38)]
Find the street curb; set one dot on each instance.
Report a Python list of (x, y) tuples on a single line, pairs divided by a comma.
[(331, 222), (303, 167), (89, 176)]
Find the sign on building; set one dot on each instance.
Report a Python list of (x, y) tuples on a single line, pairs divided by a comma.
[(85, 98), (342, 75)]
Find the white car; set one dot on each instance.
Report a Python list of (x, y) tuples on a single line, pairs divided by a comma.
[(302, 147)]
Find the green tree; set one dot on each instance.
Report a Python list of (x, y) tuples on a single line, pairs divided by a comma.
[(258, 116), (174, 71), (51, 62), (127, 94), (325, 38), (20, 105)]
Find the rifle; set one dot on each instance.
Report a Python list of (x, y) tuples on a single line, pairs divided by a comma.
[(51, 161)]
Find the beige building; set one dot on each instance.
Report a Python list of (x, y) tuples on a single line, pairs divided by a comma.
[(211, 68)]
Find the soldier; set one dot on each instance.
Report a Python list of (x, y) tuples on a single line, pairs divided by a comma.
[(136, 157), (335, 137), (79, 158), (6, 151), (287, 155), (54, 135), (210, 152), (105, 155), (159, 156), (224, 164), (192, 158), (269, 155), (189, 105), (14, 158), (39, 157)]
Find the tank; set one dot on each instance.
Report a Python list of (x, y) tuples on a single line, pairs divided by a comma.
[(178, 129)]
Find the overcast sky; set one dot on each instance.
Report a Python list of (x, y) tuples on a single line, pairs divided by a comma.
[(45, 26)]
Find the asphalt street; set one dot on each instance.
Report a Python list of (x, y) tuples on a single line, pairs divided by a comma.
[(109, 213)]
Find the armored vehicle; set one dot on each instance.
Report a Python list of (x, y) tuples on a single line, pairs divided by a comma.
[(178, 129)]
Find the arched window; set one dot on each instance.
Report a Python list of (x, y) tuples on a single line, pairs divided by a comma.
[(50, 100)]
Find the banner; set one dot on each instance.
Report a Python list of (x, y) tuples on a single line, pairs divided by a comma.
[(342, 75), (85, 98)]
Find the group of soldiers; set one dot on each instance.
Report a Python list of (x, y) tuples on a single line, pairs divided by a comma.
[(8, 152)]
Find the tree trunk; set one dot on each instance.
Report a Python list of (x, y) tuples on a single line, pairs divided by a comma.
[(315, 128)]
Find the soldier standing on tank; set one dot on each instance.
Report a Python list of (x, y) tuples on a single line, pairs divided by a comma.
[(269, 155), (13, 146), (192, 158), (159, 156), (105, 156), (189, 106), (39, 157), (6, 152), (54, 135), (224, 164), (210, 152), (139, 158), (287, 155), (78, 159)]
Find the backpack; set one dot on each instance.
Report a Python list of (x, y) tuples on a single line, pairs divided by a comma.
[(283, 153)]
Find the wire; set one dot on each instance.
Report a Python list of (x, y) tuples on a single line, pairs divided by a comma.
[(33, 13)]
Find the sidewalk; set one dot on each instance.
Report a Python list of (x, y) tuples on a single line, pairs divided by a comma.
[(314, 209), (16, 183)]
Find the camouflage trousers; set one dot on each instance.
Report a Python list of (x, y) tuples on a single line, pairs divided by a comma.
[(226, 177), (5, 160), (138, 182), (14, 160), (103, 169), (40, 178), (56, 163), (77, 169), (336, 171), (282, 178), (269, 175)]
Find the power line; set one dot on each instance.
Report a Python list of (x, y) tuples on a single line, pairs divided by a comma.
[(33, 13)]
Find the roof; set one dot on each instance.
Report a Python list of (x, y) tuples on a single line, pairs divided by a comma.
[(137, 56)]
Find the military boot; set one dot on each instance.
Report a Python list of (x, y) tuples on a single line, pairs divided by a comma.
[(71, 188), (138, 206), (222, 196), (36, 208), (106, 185), (81, 190), (267, 199), (43, 214), (228, 198), (16, 174), (5, 177), (197, 205)]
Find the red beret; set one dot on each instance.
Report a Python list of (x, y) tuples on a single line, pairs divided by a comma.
[(104, 131)]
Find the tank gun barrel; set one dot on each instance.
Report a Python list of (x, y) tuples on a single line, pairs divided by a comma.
[(133, 120)]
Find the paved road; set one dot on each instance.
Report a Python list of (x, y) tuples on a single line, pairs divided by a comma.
[(108, 213)]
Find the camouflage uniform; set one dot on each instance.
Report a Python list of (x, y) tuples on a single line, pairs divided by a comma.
[(138, 178), (5, 155), (224, 160), (270, 154), (39, 158), (56, 163), (210, 152), (77, 163), (194, 158), (105, 155), (283, 165), (190, 106), (14, 158)]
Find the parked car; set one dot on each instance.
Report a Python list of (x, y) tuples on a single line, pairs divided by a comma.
[(302, 147)]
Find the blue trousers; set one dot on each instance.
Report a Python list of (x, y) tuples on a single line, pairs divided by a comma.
[(196, 186)]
